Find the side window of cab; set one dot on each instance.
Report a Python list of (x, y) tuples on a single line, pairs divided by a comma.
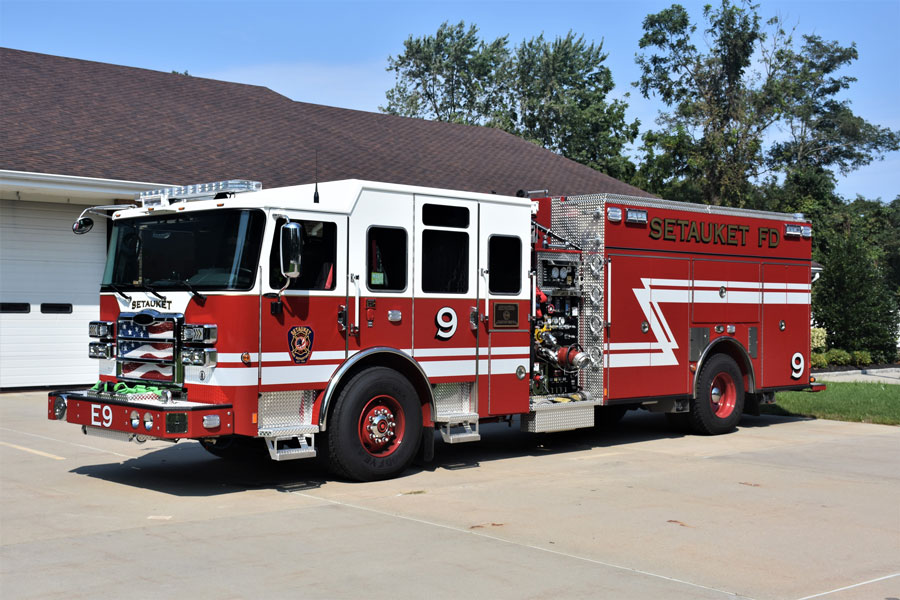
[(318, 258)]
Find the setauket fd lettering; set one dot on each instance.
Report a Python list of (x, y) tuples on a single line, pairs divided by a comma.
[(139, 304), (702, 232)]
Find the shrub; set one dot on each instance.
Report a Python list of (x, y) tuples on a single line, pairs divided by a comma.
[(861, 358), (817, 338), (817, 360), (879, 357), (839, 357)]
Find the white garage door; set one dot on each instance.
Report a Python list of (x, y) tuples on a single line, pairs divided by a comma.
[(49, 284)]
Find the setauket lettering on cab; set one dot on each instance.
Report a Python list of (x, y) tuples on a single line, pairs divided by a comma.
[(139, 304)]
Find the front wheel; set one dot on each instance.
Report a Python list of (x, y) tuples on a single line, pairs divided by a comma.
[(377, 426), (720, 397)]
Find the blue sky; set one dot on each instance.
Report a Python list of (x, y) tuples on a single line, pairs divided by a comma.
[(335, 52)]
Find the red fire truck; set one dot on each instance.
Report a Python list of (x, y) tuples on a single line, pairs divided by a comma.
[(355, 317)]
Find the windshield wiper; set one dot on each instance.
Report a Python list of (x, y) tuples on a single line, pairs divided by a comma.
[(194, 291), (118, 290), (152, 291)]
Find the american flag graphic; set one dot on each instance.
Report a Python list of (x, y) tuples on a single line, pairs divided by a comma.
[(158, 330), (147, 371), (146, 350)]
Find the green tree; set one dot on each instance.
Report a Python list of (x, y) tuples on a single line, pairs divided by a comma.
[(823, 131), (450, 76), (551, 93), (713, 143), (852, 300), (879, 224), (558, 99)]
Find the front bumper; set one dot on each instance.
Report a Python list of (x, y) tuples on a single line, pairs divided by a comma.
[(140, 419)]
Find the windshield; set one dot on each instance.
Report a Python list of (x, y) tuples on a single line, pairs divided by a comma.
[(214, 250)]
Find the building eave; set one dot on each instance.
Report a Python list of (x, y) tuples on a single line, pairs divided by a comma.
[(69, 189)]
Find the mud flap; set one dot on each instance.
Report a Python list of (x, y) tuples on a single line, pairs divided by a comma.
[(426, 448)]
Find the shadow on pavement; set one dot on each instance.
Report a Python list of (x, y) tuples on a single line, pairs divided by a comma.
[(186, 469)]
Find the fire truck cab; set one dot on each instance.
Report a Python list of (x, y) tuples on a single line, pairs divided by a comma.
[(357, 317)]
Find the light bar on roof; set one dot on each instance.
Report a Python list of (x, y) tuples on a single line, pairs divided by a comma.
[(165, 196)]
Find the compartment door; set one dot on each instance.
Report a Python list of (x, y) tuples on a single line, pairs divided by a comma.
[(647, 309), (784, 342)]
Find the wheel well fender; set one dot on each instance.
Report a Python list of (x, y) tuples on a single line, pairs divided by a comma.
[(376, 357), (733, 348)]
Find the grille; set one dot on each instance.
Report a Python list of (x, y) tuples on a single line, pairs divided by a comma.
[(147, 347)]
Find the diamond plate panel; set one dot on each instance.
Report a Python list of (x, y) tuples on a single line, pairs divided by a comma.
[(582, 219), (561, 417), (282, 410), (452, 398)]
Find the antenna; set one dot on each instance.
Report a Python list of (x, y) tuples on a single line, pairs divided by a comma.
[(316, 192)]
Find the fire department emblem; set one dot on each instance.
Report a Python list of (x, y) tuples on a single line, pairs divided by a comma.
[(300, 343)]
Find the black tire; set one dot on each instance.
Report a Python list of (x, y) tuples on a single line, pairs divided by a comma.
[(236, 447), (376, 426), (607, 417), (719, 403)]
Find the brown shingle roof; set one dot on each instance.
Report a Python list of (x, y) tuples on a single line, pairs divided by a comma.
[(76, 117)]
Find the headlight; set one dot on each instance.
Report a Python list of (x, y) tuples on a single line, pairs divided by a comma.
[(199, 357), (59, 408), (148, 421), (100, 329), (199, 334), (101, 350)]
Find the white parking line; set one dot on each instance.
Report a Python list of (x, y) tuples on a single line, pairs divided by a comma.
[(850, 587), (38, 452), (43, 437), (511, 542)]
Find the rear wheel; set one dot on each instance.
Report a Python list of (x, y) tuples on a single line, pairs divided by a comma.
[(377, 426), (720, 397)]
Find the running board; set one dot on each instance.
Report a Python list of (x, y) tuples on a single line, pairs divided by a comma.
[(307, 448), (547, 417)]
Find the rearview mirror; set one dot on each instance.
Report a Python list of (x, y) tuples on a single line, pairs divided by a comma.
[(291, 245), (82, 225)]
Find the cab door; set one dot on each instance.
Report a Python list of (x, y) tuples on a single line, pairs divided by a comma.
[(504, 300), (380, 278), (445, 339), (301, 342)]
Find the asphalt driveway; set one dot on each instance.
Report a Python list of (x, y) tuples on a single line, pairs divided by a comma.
[(782, 508)]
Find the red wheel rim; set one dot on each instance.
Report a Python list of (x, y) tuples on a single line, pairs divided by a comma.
[(382, 425), (722, 395)]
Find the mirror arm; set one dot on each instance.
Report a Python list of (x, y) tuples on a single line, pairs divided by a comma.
[(277, 307), (98, 210)]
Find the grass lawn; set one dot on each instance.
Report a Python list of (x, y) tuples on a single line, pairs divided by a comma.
[(865, 402)]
